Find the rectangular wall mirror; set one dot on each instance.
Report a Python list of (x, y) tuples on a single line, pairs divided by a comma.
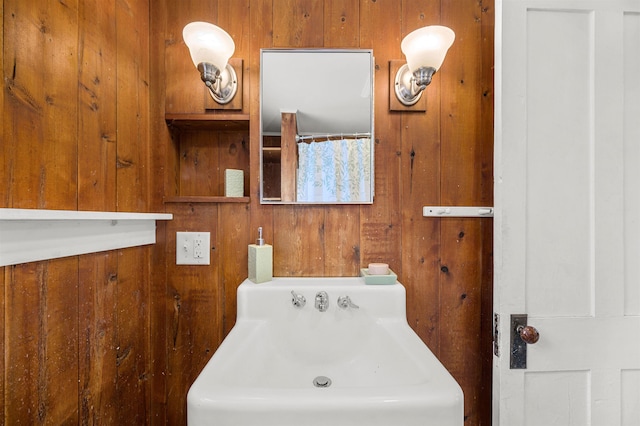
[(316, 126)]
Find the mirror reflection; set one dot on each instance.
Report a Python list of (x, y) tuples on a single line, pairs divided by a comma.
[(316, 118)]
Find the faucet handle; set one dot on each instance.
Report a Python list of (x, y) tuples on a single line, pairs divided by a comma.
[(345, 302), (322, 301), (297, 300)]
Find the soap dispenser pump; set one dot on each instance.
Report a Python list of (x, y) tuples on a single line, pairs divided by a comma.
[(260, 260)]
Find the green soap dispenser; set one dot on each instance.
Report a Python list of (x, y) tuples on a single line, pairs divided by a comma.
[(260, 260)]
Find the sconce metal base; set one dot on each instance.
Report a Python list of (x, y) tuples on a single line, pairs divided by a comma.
[(409, 87), (222, 85)]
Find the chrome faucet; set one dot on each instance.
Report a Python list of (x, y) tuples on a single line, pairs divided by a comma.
[(322, 301), (345, 302), (297, 300)]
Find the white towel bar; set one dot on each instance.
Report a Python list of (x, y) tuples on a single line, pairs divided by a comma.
[(448, 211)]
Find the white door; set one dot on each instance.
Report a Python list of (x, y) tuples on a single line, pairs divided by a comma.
[(567, 217)]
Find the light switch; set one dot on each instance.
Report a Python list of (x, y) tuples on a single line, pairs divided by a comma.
[(192, 248)]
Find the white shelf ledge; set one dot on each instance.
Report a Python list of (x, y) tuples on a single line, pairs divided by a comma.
[(29, 235)]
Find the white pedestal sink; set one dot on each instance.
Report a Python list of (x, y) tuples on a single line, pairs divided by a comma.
[(283, 364)]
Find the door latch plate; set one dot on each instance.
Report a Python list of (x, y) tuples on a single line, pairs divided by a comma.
[(518, 358), (496, 334)]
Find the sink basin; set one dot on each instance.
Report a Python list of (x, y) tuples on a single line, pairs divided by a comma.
[(286, 365)]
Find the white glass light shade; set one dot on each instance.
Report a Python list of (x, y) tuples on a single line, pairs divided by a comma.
[(208, 43), (427, 47)]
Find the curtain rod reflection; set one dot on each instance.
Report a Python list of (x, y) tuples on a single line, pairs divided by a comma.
[(331, 136)]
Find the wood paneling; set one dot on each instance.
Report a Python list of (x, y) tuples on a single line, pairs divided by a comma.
[(341, 23), (441, 157), (98, 273), (133, 354), (40, 119), (75, 103), (189, 95), (118, 337), (421, 146), (233, 17), (380, 230), (199, 154), (161, 163), (484, 401), (97, 338), (460, 179), (42, 343), (4, 191), (194, 306), (96, 116), (298, 23), (233, 234), (40, 50)]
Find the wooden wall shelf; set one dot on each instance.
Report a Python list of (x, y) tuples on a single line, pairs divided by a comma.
[(208, 121), (202, 143), (206, 199)]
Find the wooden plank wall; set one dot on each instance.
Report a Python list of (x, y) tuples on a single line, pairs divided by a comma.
[(443, 156), (76, 333), (118, 337)]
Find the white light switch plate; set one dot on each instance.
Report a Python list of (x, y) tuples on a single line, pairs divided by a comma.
[(193, 248)]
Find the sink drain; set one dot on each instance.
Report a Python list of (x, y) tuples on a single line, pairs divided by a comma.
[(322, 382)]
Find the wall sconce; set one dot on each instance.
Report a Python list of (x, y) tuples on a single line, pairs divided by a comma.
[(425, 49), (211, 47)]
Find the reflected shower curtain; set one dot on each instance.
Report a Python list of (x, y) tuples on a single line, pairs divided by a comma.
[(334, 171)]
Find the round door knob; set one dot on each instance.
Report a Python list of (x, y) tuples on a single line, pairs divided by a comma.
[(528, 334)]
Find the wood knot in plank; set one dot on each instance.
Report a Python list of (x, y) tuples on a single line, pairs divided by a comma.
[(22, 96), (121, 356), (122, 163)]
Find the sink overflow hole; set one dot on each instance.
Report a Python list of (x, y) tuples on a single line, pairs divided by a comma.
[(322, 382)]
